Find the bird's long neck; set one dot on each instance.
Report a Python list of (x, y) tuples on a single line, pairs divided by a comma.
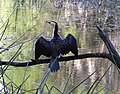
[(55, 30)]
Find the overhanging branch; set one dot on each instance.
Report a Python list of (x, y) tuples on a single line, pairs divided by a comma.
[(112, 51), (68, 58), (112, 55)]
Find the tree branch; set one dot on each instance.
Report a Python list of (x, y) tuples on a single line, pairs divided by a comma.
[(68, 58), (113, 55), (112, 51)]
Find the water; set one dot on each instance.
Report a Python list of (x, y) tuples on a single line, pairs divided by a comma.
[(71, 19), (77, 70)]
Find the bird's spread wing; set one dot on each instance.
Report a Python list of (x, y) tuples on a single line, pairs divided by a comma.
[(42, 47), (69, 44)]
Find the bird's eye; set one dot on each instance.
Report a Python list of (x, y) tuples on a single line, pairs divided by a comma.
[(52, 23)]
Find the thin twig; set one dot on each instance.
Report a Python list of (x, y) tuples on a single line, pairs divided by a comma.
[(17, 39), (81, 82), (101, 78), (19, 87), (92, 85), (4, 30)]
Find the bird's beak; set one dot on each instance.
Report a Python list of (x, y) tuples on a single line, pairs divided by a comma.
[(47, 22)]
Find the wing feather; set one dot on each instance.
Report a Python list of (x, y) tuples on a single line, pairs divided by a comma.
[(42, 47), (69, 44)]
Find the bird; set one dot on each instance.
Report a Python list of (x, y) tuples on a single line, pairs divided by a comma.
[(55, 47)]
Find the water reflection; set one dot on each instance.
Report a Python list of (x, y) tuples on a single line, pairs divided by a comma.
[(77, 20), (77, 70)]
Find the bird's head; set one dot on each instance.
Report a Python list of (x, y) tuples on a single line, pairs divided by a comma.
[(55, 26), (53, 23)]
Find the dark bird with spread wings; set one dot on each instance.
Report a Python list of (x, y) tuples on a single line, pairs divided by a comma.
[(55, 47)]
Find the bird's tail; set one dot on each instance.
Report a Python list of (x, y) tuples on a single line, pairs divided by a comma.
[(54, 64)]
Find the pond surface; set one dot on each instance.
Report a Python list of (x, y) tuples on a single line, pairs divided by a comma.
[(28, 21), (76, 71)]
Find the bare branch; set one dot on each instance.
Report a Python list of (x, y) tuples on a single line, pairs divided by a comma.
[(68, 58), (112, 51)]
